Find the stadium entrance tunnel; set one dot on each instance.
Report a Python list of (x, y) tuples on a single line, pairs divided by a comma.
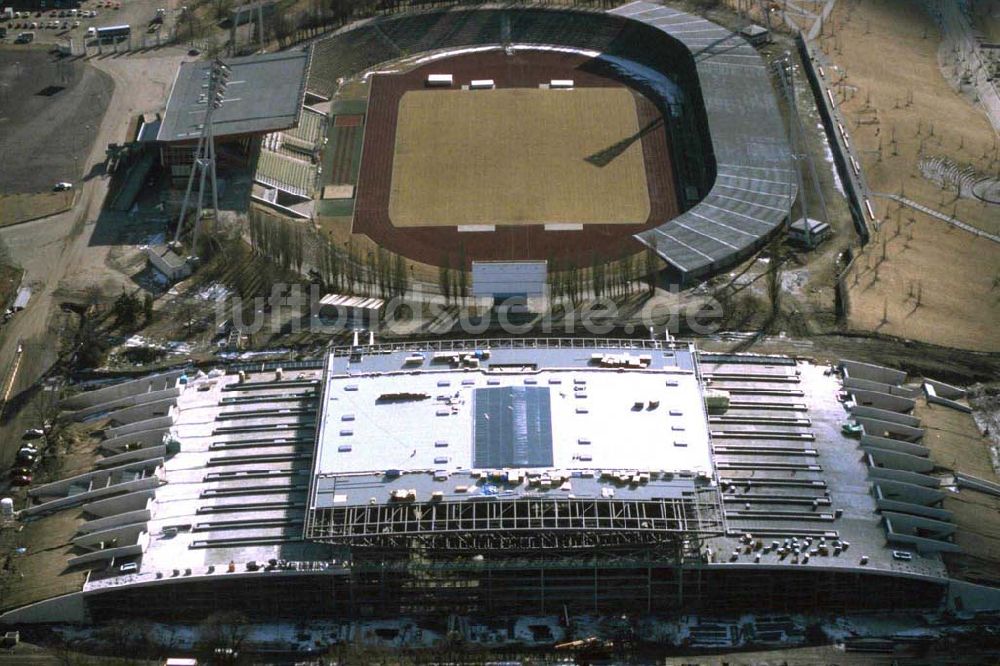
[(707, 123)]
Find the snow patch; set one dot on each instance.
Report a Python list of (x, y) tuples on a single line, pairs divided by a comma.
[(828, 156), (213, 292)]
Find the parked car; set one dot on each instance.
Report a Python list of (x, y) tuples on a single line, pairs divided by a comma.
[(33, 433), (851, 429), (27, 457), (62, 185), (21, 480)]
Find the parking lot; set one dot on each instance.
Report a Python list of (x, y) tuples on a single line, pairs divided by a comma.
[(50, 109), (60, 26)]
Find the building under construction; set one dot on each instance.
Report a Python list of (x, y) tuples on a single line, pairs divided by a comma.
[(505, 477)]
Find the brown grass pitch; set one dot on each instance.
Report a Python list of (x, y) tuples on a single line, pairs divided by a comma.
[(517, 156)]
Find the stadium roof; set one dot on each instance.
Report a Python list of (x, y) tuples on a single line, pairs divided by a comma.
[(755, 185), (224, 477), (552, 410), (264, 94)]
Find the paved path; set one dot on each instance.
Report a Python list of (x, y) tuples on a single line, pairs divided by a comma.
[(824, 15), (941, 216)]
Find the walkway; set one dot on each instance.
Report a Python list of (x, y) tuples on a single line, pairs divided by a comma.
[(941, 216)]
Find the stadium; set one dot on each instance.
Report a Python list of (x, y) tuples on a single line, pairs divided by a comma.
[(514, 476), (506, 476), (571, 137)]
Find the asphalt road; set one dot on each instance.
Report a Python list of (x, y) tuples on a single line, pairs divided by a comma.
[(50, 108)]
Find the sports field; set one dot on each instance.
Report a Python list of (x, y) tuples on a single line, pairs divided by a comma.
[(518, 156), (536, 146)]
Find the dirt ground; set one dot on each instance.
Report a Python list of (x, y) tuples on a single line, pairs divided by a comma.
[(60, 255), (900, 108), (473, 157), (50, 108)]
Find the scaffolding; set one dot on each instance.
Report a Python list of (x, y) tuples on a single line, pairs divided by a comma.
[(519, 524), (473, 344)]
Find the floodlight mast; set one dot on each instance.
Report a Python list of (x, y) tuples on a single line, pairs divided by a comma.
[(783, 70), (204, 155)]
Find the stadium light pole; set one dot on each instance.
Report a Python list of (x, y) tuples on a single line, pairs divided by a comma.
[(783, 69), (204, 155)]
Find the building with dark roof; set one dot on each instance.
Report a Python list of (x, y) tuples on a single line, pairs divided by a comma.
[(264, 94)]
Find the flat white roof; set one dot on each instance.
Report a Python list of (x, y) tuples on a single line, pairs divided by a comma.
[(595, 421)]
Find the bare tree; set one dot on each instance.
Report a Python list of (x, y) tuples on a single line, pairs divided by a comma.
[(224, 632)]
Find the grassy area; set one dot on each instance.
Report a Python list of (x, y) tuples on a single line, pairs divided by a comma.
[(331, 208), (978, 518), (10, 279), (955, 440), (16, 208), (40, 572), (957, 444), (900, 107), (471, 158), (936, 283)]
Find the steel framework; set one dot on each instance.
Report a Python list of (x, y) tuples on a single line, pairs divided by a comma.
[(471, 344), (521, 524), (204, 154)]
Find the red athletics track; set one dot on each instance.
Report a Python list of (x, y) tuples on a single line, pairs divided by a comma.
[(436, 245)]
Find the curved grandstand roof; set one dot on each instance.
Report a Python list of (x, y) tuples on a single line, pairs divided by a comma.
[(754, 186), (754, 182)]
